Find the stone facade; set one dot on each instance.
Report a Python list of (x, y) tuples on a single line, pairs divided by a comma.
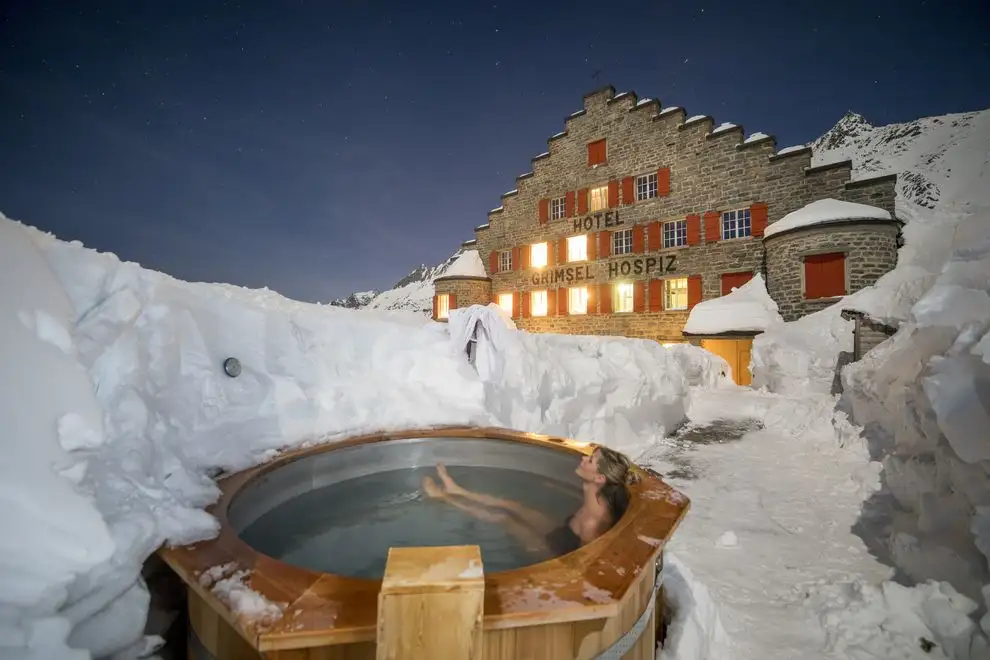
[(870, 249), (699, 176), (465, 291)]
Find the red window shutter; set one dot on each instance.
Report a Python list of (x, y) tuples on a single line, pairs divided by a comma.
[(493, 262), (494, 298), (824, 275), (604, 244), (550, 255), (712, 231), (582, 201), (593, 246), (639, 296), (758, 214), (562, 309), (653, 234), (515, 304), (596, 152), (613, 194), (628, 190), (663, 181), (551, 302), (544, 211), (592, 299), (638, 242), (436, 307), (524, 303), (656, 295), (694, 290), (694, 229), (730, 280), (562, 250), (516, 257), (452, 301), (605, 298), (569, 203), (524, 253)]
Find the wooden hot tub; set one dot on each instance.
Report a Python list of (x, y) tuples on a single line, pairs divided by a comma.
[(571, 606)]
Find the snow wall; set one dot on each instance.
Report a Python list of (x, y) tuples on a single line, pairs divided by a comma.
[(122, 409)]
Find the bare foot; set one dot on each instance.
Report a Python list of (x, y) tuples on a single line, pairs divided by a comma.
[(449, 484), (431, 489)]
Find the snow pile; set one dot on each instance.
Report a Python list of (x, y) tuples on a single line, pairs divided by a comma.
[(701, 368), (824, 211), (801, 357), (624, 393), (132, 445), (748, 308), (468, 264), (695, 631), (923, 398)]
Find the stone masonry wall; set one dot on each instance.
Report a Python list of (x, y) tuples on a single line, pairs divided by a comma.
[(708, 172), (467, 291), (870, 248)]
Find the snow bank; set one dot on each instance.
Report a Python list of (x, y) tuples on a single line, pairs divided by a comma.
[(624, 393), (748, 308), (695, 631), (922, 397), (468, 264), (824, 211), (801, 357)]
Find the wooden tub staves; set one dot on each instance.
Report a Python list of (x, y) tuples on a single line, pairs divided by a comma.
[(573, 606)]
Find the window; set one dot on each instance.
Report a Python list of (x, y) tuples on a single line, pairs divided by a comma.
[(577, 300), (505, 302), (622, 242), (443, 305), (505, 261), (596, 153), (622, 297), (558, 208), (598, 198), (675, 293), (537, 255), (577, 248), (675, 233), (736, 224), (824, 275), (538, 303), (646, 186), (732, 281)]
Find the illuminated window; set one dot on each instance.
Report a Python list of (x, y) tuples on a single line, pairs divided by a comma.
[(577, 300), (557, 208), (622, 297), (675, 293), (622, 241), (443, 306), (598, 198), (577, 248), (505, 302), (736, 224), (646, 186), (538, 303), (504, 261), (537, 255), (675, 233)]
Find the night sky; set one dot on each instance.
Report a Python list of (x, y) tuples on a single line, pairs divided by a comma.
[(319, 151)]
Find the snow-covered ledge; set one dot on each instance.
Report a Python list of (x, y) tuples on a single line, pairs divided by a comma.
[(748, 309)]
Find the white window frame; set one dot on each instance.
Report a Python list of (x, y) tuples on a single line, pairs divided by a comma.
[(577, 300), (674, 233), (505, 261), (622, 238), (598, 198), (647, 186), (504, 298), (673, 291), (736, 223), (539, 303), (443, 305), (539, 255), (577, 248), (558, 208), (623, 297)]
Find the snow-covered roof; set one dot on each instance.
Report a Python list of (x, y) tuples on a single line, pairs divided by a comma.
[(755, 136), (673, 108), (724, 126), (790, 150), (469, 264), (825, 211), (748, 308)]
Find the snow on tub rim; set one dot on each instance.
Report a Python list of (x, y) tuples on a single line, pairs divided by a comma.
[(245, 604)]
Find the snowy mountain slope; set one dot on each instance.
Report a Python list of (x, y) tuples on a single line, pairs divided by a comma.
[(941, 161)]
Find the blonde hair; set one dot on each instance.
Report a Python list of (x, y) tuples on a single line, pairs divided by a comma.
[(619, 475)]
